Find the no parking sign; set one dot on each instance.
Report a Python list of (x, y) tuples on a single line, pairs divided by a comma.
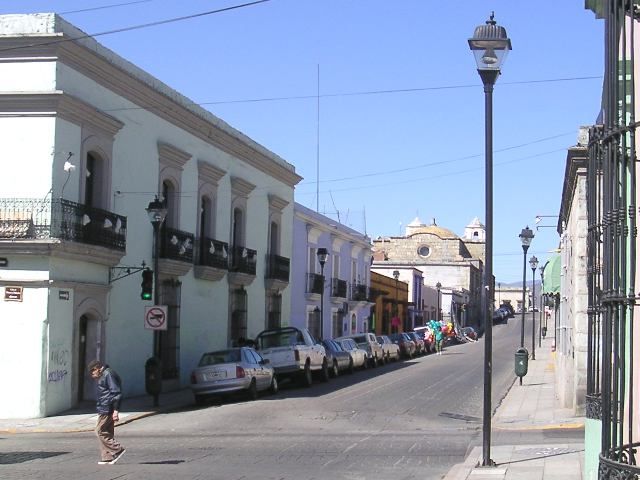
[(155, 317)]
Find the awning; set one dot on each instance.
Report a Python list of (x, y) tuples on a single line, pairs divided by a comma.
[(552, 271)]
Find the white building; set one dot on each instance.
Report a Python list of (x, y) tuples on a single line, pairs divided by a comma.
[(87, 141), (345, 295)]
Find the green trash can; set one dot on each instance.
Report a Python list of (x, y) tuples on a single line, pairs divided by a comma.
[(522, 362)]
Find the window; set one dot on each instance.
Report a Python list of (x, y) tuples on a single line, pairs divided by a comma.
[(424, 251)]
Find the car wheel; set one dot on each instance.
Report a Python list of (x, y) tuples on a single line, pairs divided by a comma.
[(274, 385), (334, 369), (387, 358), (350, 365), (307, 378), (365, 365), (374, 362), (324, 373), (253, 390)]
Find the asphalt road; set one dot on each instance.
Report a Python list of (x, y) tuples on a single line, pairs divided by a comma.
[(407, 420)]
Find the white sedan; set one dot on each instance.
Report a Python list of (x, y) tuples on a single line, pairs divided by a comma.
[(358, 355)]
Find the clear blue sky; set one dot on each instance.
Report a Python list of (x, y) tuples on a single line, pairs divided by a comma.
[(384, 157)]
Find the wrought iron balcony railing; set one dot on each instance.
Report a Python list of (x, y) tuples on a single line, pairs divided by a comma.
[(278, 267), (338, 288), (243, 260), (358, 292), (315, 283), (212, 253), (176, 244), (38, 219)]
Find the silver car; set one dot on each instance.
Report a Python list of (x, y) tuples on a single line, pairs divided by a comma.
[(232, 370), (358, 355)]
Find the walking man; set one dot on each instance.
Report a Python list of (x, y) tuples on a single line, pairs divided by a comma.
[(108, 396)]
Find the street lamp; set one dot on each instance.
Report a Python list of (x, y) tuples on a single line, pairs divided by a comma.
[(322, 259), (438, 286), (396, 274), (157, 212), (542, 304), (526, 235), (490, 46), (533, 261)]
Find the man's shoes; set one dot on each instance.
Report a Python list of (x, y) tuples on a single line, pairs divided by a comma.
[(104, 462), (117, 456)]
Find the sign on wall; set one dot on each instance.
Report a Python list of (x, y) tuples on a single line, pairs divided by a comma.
[(12, 294)]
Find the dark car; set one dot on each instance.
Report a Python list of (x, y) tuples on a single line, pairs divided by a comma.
[(509, 308), (338, 359), (500, 316), (406, 344), (421, 346)]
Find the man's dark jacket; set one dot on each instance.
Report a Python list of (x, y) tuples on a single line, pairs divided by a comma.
[(108, 392)]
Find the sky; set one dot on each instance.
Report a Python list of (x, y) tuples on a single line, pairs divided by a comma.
[(378, 103)]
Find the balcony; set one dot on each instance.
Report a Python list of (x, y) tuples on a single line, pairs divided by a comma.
[(212, 260), (277, 275), (358, 293), (176, 252), (315, 283), (242, 265), (82, 232), (338, 288)]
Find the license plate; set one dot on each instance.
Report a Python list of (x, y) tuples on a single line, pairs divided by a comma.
[(214, 375)]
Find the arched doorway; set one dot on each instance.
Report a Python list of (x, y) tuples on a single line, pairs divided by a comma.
[(82, 355)]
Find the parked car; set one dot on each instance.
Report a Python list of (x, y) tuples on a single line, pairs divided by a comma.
[(426, 333), (509, 308), (293, 352), (500, 316), (421, 347), (368, 342), (232, 370), (406, 344), (337, 358), (389, 349), (358, 355), (469, 332)]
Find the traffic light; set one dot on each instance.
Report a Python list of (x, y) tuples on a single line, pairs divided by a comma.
[(147, 284)]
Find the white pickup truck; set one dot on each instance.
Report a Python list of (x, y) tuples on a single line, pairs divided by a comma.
[(293, 352)]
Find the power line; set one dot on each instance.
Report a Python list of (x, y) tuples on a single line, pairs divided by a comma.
[(104, 7), (440, 162), (136, 27)]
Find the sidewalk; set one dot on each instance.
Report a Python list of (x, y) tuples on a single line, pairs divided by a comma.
[(530, 407), (83, 419)]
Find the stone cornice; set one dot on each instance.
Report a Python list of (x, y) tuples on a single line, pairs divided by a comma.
[(172, 156), (210, 173), (577, 160), (49, 104), (277, 202), (62, 249), (241, 187), (140, 88)]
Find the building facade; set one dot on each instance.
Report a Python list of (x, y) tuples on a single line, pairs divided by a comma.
[(456, 263), (333, 299), (93, 140)]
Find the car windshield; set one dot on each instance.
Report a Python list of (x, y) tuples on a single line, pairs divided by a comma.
[(216, 358), (280, 338)]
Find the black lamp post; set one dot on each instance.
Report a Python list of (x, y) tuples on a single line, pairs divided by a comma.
[(322, 259), (438, 287), (533, 261), (490, 46), (526, 235), (541, 304), (396, 315), (157, 212)]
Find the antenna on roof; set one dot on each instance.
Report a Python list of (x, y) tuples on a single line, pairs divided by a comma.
[(334, 206)]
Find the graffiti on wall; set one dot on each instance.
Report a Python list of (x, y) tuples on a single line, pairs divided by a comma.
[(58, 364)]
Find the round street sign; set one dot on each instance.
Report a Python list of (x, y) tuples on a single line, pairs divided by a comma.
[(155, 317)]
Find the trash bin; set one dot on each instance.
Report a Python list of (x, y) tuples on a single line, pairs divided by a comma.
[(544, 332), (522, 362), (153, 376)]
